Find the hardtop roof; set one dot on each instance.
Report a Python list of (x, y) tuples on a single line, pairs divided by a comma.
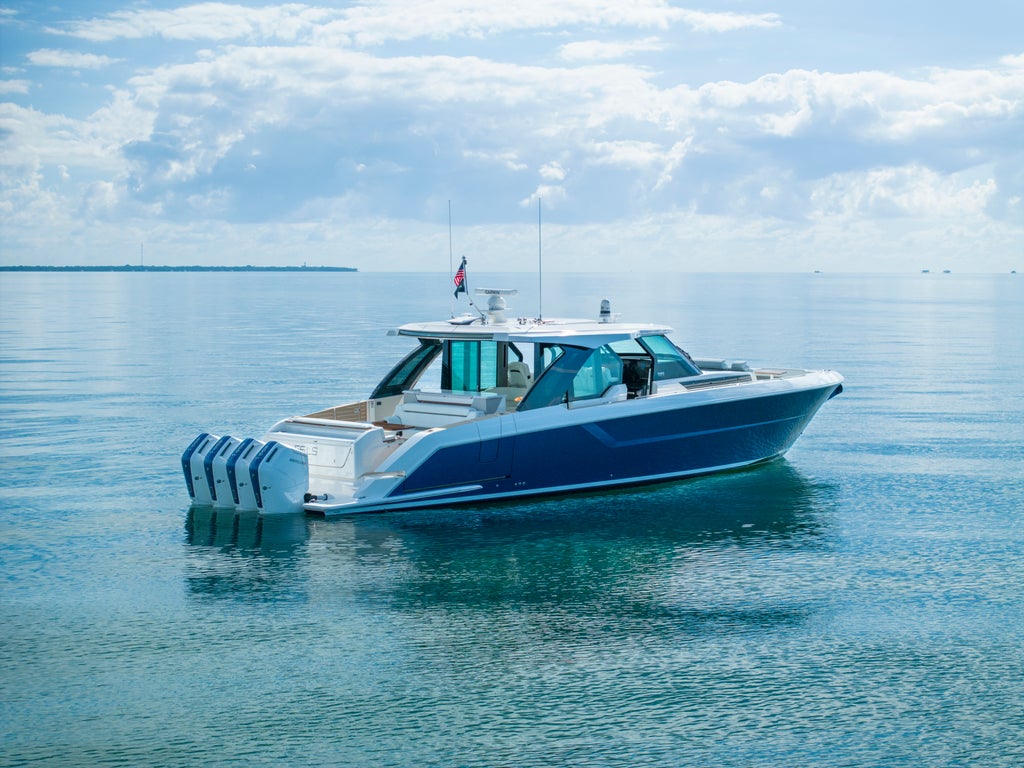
[(567, 331)]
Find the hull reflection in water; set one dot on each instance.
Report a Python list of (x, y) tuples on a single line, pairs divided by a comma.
[(245, 555), (623, 555)]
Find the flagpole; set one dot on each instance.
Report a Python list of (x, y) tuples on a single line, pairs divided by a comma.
[(451, 272), (461, 281)]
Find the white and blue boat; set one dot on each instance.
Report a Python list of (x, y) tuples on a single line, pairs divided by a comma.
[(487, 407)]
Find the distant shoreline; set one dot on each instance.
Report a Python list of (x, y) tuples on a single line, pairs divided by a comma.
[(193, 268)]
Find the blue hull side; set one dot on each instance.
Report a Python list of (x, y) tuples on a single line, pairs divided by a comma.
[(624, 450)]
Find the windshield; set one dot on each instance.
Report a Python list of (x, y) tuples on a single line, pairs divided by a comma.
[(633, 365)]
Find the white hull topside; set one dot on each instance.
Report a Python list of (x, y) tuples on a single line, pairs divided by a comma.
[(524, 407)]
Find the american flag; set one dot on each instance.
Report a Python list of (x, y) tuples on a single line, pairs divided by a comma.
[(460, 278)]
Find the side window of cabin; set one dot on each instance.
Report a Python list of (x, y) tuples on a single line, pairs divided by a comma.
[(554, 366), (471, 366), (669, 360), (601, 370), (409, 370), (488, 365), (461, 366), (636, 366), (543, 356)]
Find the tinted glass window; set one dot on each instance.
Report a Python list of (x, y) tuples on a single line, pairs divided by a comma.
[(463, 372), (551, 386), (404, 375), (601, 370), (669, 360)]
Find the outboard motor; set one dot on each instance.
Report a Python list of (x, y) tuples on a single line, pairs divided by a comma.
[(231, 467), (223, 498), (245, 475), (280, 478), (244, 484), (192, 463)]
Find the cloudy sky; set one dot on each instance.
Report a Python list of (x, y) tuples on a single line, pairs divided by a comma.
[(757, 135)]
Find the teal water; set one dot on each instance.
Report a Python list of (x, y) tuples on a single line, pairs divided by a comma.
[(860, 603)]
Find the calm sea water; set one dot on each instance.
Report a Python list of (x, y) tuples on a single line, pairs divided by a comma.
[(860, 603)]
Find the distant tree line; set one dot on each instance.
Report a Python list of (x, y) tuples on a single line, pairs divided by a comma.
[(193, 268)]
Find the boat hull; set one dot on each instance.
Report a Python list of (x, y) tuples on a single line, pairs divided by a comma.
[(607, 445)]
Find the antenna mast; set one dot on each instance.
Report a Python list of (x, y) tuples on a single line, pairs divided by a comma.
[(540, 269)]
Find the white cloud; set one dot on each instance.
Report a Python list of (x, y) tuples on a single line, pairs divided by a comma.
[(390, 20), (572, 102), (48, 57), (871, 105), (590, 50), (912, 191), (727, 22), (34, 139), (549, 194), (214, 203), (507, 158), (626, 153), (203, 21), (101, 200), (375, 23), (673, 158), (553, 172), (14, 86)]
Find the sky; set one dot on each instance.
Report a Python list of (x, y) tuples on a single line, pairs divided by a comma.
[(594, 135)]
